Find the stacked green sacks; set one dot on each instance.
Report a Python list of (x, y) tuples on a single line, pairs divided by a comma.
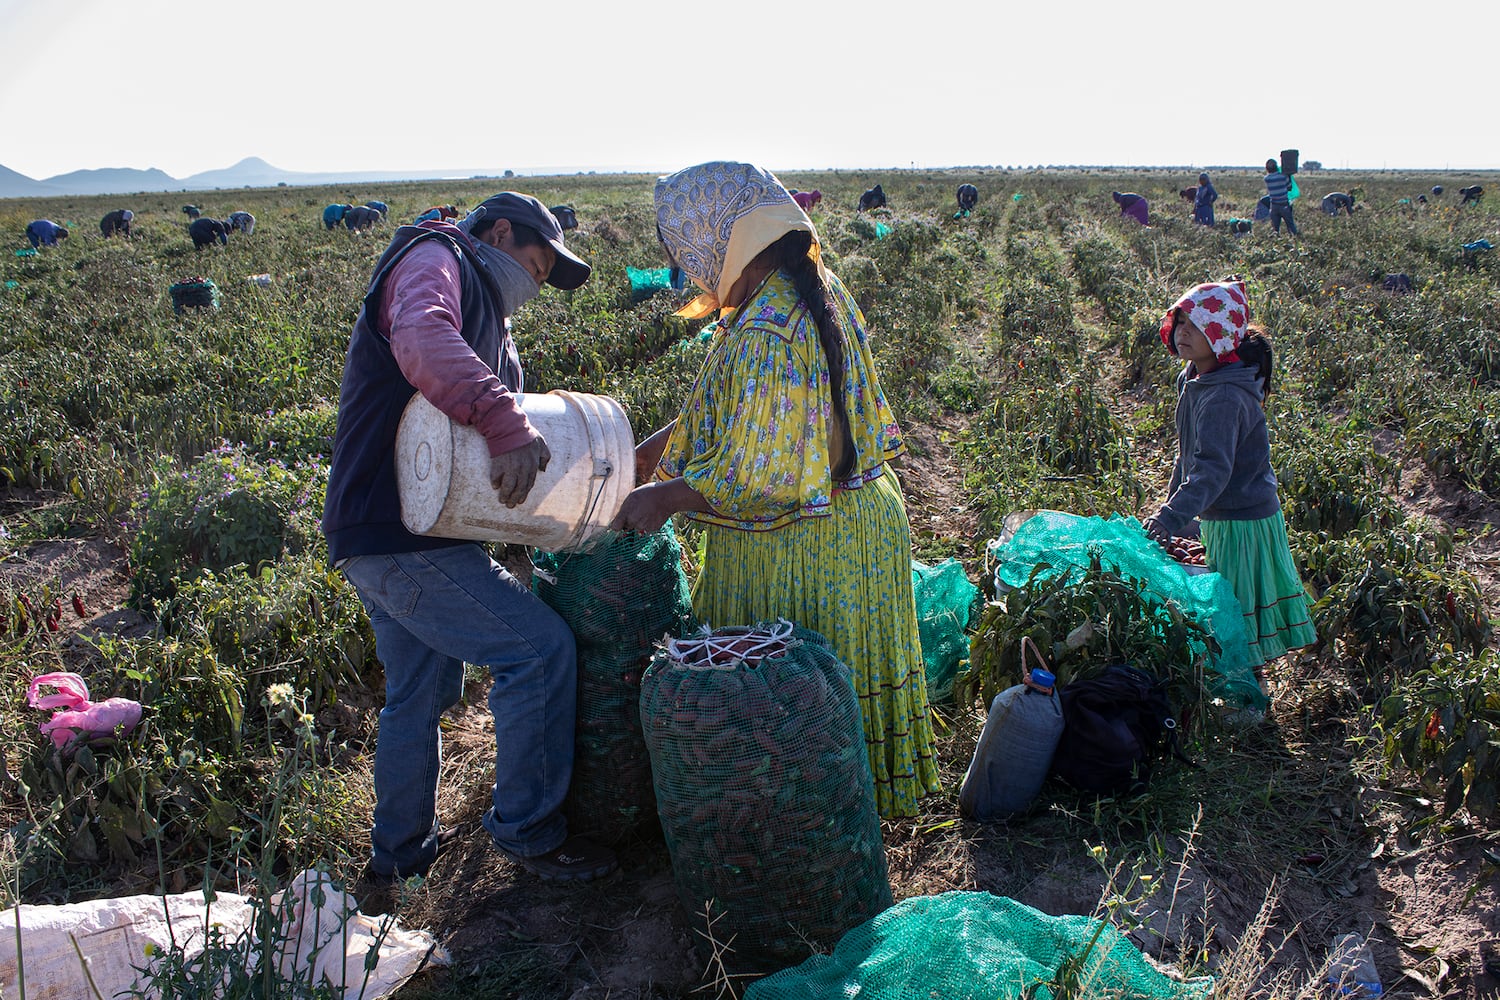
[(621, 597), (764, 791)]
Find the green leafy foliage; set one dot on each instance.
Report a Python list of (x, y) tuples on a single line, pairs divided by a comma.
[(1443, 722), (226, 509)]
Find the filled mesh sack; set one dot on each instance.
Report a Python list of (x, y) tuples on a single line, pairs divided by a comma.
[(764, 792), (621, 597)]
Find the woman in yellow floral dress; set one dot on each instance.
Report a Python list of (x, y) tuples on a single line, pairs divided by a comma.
[(780, 452)]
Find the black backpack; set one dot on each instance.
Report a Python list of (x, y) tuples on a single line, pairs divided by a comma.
[(1115, 727)]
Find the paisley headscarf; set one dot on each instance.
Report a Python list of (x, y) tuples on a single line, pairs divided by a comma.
[(1219, 309), (714, 218)]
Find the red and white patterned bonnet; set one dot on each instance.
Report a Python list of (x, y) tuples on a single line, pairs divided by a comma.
[(1219, 309)]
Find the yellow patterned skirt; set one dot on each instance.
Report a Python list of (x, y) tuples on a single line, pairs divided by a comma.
[(848, 577)]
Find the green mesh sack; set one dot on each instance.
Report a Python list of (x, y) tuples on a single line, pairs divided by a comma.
[(976, 946), (945, 598), (764, 791), (645, 283), (194, 293), (622, 590), (620, 597), (1065, 542)]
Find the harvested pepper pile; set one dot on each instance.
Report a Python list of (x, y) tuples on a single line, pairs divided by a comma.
[(764, 791), (1188, 551), (621, 598)]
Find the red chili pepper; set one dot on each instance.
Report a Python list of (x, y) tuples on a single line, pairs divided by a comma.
[(1434, 727), (52, 623), (79, 608), (26, 603)]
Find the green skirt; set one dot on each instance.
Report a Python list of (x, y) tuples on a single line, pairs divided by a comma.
[(848, 577), (1256, 559)]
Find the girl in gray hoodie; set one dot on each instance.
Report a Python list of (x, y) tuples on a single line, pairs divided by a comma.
[(1222, 476)]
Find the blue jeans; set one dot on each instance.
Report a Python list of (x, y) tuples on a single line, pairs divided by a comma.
[(432, 612), (1279, 212)]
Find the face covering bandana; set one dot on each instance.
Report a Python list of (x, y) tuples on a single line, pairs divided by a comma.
[(517, 287)]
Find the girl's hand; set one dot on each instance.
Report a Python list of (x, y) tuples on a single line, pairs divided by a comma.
[(1153, 528)]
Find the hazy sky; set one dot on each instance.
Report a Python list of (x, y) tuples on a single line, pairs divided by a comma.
[(191, 85)]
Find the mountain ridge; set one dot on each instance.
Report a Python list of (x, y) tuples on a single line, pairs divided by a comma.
[(252, 171)]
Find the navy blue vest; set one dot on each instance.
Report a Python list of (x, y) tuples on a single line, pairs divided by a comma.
[(362, 514)]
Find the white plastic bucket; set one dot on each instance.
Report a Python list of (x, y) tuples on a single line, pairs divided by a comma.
[(442, 473)]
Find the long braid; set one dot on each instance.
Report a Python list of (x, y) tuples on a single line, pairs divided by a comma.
[(790, 254)]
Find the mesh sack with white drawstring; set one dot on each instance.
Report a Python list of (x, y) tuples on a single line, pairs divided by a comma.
[(764, 792)]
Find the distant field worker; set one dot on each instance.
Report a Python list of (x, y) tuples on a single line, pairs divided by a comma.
[(437, 213), (1278, 189), (968, 197), (45, 233), (872, 199), (1222, 477), (205, 230), (379, 206), (116, 222), (1472, 194), (807, 200), (192, 212), (1132, 206), (242, 221), (780, 454), (361, 217), (1203, 201), (334, 214), (1335, 201)]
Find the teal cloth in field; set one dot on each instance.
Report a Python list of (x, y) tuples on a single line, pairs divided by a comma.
[(1065, 542), (977, 946), (944, 598)]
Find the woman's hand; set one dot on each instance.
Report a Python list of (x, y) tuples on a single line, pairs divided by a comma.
[(644, 512), (648, 507)]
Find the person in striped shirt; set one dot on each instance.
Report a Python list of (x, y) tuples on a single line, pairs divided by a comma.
[(1277, 186)]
